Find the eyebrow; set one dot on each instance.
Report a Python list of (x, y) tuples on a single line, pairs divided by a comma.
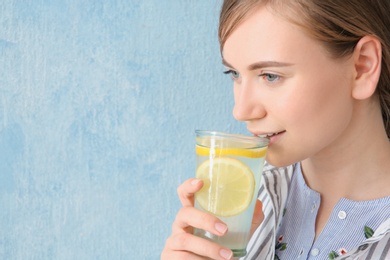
[(261, 64)]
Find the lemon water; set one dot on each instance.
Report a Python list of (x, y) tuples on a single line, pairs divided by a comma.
[(239, 224)]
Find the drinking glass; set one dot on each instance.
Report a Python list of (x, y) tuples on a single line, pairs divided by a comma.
[(230, 166)]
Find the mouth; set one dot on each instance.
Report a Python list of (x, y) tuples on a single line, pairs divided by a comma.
[(269, 135)]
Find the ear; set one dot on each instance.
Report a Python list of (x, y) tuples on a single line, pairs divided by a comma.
[(367, 61)]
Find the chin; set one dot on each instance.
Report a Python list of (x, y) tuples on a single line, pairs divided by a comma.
[(279, 160)]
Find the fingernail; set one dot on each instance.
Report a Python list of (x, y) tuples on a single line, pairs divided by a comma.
[(226, 254), (221, 228), (194, 182)]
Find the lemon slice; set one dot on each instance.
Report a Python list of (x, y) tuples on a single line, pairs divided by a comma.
[(253, 153), (228, 186)]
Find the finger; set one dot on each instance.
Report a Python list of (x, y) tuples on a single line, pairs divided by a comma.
[(187, 190), (258, 216), (189, 217), (197, 246)]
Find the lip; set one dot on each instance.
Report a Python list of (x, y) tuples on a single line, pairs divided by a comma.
[(272, 136), (275, 137)]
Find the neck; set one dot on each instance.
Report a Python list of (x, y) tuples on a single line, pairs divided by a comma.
[(356, 166)]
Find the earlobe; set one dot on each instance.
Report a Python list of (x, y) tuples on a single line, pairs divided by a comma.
[(367, 61)]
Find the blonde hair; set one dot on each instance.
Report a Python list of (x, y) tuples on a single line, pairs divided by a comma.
[(337, 24)]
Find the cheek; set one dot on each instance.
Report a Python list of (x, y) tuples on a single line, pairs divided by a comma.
[(318, 101), (316, 114)]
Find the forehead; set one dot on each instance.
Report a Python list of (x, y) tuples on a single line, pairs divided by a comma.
[(266, 36)]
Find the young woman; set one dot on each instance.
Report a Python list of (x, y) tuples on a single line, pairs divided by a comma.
[(313, 76)]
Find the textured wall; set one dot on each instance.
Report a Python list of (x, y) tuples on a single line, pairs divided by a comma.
[(98, 105)]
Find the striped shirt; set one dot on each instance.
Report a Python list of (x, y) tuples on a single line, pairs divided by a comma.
[(268, 240)]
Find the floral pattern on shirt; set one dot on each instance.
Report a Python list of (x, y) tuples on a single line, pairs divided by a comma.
[(368, 232), (280, 245)]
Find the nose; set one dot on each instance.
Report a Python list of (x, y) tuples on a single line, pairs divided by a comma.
[(248, 103)]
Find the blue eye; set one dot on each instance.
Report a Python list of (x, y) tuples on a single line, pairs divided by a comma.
[(270, 77), (234, 74)]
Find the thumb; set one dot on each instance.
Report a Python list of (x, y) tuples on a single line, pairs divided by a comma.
[(258, 216)]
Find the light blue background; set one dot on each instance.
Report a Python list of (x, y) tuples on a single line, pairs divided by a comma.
[(99, 101)]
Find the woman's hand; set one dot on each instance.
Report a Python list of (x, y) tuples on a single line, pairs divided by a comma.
[(182, 244)]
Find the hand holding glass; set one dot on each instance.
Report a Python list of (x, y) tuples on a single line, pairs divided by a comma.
[(230, 166)]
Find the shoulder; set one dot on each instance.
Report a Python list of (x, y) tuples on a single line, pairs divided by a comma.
[(273, 193), (270, 169), (277, 176), (276, 183), (276, 179), (275, 187)]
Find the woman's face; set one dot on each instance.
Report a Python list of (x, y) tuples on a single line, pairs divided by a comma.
[(286, 85)]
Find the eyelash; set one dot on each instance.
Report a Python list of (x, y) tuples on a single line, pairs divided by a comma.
[(231, 73), (263, 75)]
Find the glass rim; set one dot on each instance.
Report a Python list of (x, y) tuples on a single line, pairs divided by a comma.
[(256, 139)]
